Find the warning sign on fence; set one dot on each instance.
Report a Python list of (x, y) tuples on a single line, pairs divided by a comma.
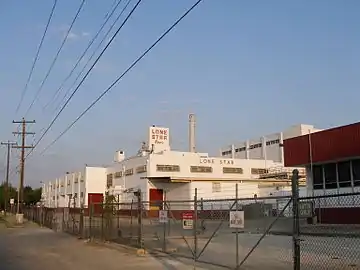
[(305, 209), (188, 221), (163, 216), (237, 219)]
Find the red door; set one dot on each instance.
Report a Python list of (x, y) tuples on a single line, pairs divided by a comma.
[(156, 198)]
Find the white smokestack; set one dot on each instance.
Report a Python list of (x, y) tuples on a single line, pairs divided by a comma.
[(192, 124)]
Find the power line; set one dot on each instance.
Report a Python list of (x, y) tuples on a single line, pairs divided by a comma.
[(122, 75), (36, 57), (87, 73), (107, 17), (92, 56), (56, 57), (112, 5)]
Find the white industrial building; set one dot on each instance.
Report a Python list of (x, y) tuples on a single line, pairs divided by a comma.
[(161, 173), (268, 147), (73, 189)]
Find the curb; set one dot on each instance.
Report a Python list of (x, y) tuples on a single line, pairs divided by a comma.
[(136, 251), (314, 234), (320, 234)]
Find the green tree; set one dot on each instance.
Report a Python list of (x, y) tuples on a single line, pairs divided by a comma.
[(31, 196), (12, 194)]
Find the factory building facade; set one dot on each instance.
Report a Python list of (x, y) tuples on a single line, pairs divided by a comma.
[(268, 147), (332, 161), (74, 189)]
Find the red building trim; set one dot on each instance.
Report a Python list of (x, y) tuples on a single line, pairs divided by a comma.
[(327, 145)]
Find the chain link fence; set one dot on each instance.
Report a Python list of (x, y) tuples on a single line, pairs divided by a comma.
[(331, 237), (321, 232)]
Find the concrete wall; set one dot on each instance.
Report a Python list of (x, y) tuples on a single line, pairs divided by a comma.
[(186, 159), (95, 181)]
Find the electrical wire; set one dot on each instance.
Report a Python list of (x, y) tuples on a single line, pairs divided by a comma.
[(92, 56), (111, 7), (121, 76), (56, 57), (36, 57), (107, 17), (87, 73)]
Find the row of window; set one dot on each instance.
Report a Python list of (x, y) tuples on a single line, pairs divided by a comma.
[(208, 169), (253, 146), (336, 175), (127, 172), (61, 184), (75, 195), (176, 168)]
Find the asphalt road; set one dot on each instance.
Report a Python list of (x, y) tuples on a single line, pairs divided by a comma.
[(274, 252), (35, 248)]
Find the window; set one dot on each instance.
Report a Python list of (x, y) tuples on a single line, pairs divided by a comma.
[(141, 169), (344, 174), (68, 182), (318, 180), (201, 169), (241, 149), (225, 153), (76, 180), (232, 170), (129, 172), (81, 194), (257, 145), (330, 176), (216, 187), (258, 171), (118, 174), (273, 142), (168, 168), (356, 171), (109, 180)]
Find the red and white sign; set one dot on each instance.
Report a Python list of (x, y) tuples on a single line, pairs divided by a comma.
[(159, 139), (159, 135), (188, 220)]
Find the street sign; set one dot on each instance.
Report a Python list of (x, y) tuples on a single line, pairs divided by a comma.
[(163, 216), (12, 201), (188, 221), (237, 219), (305, 209)]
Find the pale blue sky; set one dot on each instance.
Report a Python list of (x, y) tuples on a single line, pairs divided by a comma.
[(246, 68)]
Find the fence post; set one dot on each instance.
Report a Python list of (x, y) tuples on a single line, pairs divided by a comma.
[(164, 225), (237, 229), (195, 226), (81, 222), (90, 220), (140, 212), (102, 221), (296, 223), (118, 214)]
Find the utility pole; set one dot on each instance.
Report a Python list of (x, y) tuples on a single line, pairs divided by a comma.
[(6, 186), (23, 147)]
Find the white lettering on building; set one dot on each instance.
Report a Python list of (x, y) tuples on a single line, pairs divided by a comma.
[(213, 161)]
